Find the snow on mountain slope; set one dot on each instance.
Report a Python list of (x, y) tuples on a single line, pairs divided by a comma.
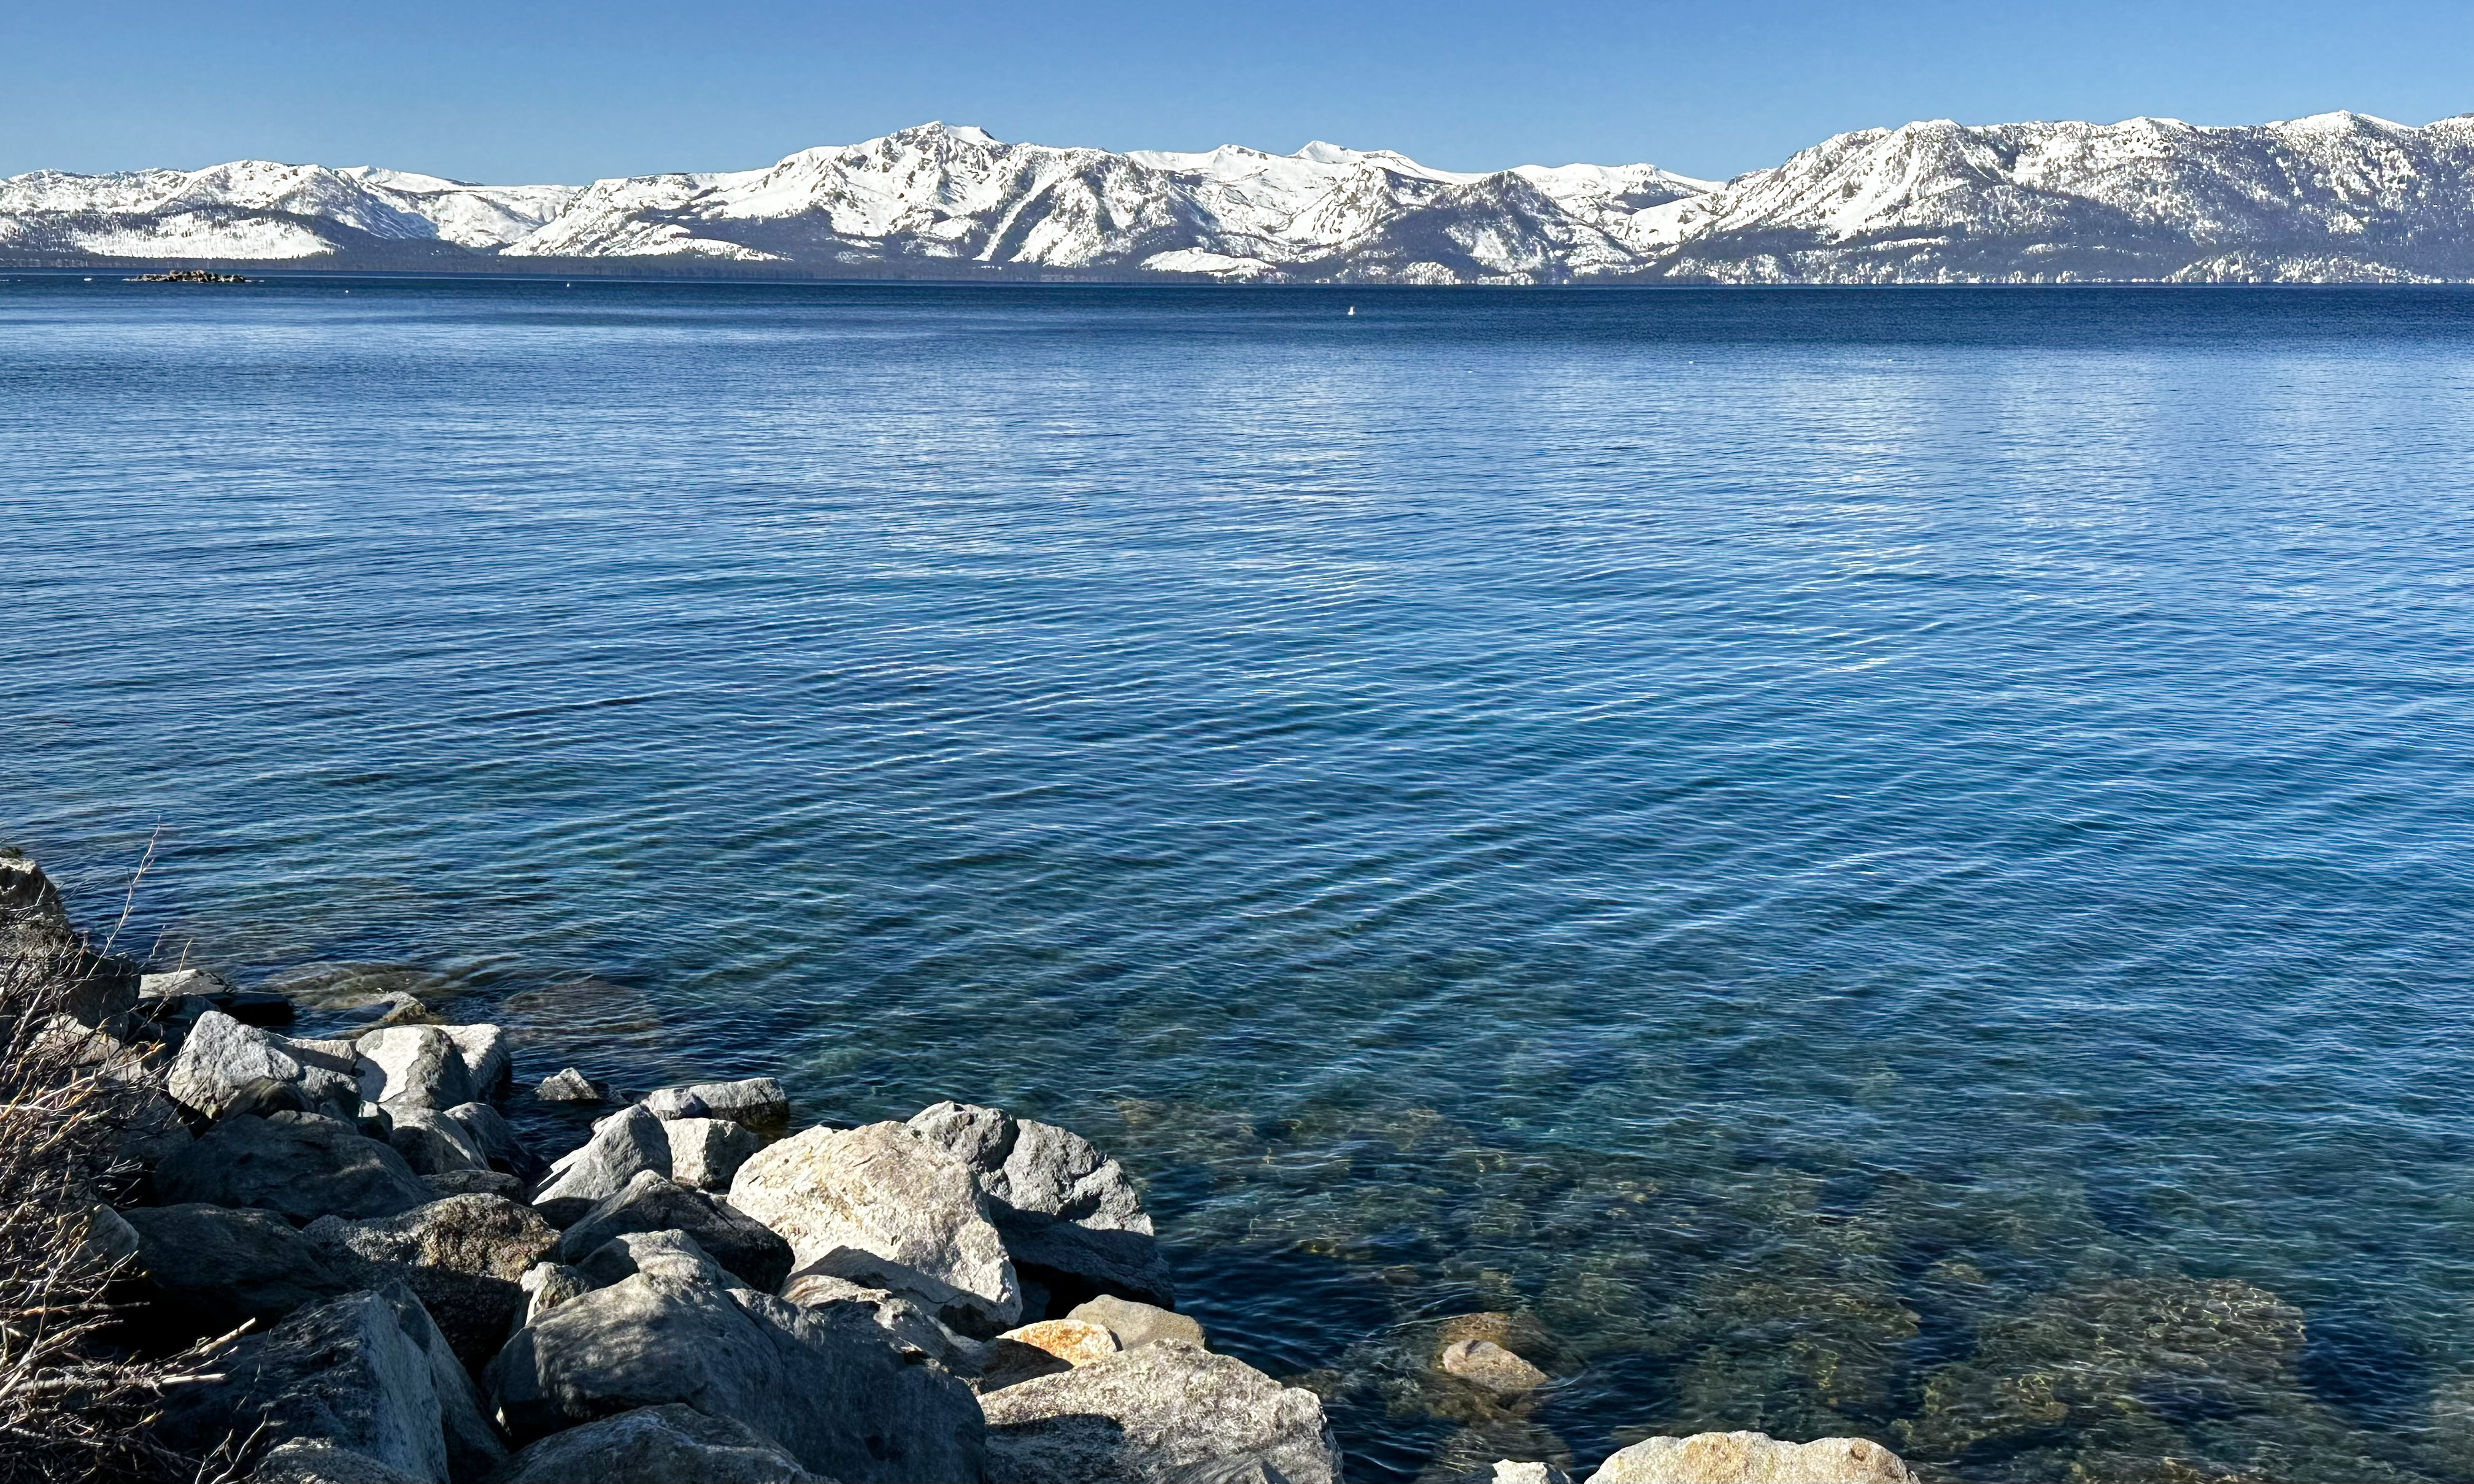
[(2337, 195), (256, 209)]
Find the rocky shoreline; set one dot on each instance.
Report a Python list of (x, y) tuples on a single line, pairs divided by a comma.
[(700, 1290)]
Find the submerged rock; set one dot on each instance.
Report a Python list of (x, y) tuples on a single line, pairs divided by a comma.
[(653, 1202), (368, 1374), (826, 1384), (1487, 1364), (662, 1445), (1164, 1412), (886, 1207), (1752, 1458), (299, 1166), (1069, 1217)]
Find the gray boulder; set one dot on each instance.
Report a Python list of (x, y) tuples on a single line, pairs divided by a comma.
[(301, 1166), (664, 1445), (623, 1145), (474, 1182), (1139, 1323), (463, 1257), (1752, 1458), (569, 1085), (1165, 1412), (431, 1142), (367, 1374), (413, 1066), (647, 1341), (1510, 1471), (488, 1054), (706, 1153), (205, 984), (1070, 1218), (756, 1101), (546, 1285), (302, 1461), (669, 1255), (654, 1202), (210, 1268), (491, 1132), (886, 1207), (910, 1326), (226, 1068)]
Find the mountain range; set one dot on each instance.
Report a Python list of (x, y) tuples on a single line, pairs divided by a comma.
[(2336, 197)]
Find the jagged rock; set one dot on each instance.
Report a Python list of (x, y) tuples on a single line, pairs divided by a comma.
[(622, 1145), (227, 1068), (488, 1052), (1509, 1472), (705, 1153), (299, 1166), (302, 1461), (210, 1267), (1752, 1458), (1165, 1412), (647, 1341), (413, 1066), (1485, 1363), (886, 1207), (664, 1445), (496, 1138), (569, 1085), (1070, 1218), (653, 1202), (911, 1326), (367, 1373), (175, 982), (546, 1285), (463, 1257), (1139, 1323), (669, 1255), (433, 1143), (756, 1101), (474, 1182)]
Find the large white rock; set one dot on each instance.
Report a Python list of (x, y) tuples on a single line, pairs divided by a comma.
[(226, 1067), (1163, 1413), (1068, 1216), (1752, 1458), (413, 1066), (886, 1207), (825, 1385), (706, 1153)]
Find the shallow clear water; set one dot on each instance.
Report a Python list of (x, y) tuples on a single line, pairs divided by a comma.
[(1891, 862)]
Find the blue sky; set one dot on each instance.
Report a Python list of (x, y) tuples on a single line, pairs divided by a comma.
[(515, 92)]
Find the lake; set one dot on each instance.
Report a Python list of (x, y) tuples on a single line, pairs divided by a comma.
[(1894, 862)]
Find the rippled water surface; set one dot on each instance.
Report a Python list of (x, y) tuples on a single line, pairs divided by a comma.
[(1891, 862)]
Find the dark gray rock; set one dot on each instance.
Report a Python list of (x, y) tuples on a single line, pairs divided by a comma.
[(886, 1207), (1070, 1218), (1165, 1412), (33, 924), (664, 1445), (302, 1461), (367, 1373), (299, 1166), (669, 1255), (1139, 1323), (622, 1145), (546, 1285), (474, 1182), (463, 1257), (756, 1101), (210, 1268), (227, 1068), (647, 1341), (655, 1202)]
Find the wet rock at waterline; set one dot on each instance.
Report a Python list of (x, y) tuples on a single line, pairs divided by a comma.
[(226, 1068), (662, 1445), (301, 1166), (755, 1103), (886, 1207), (1485, 1363), (1163, 1413), (1752, 1458), (569, 1085), (1069, 1217)]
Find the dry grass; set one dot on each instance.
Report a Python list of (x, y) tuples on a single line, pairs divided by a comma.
[(74, 1405)]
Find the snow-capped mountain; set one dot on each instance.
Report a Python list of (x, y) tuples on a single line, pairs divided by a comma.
[(2339, 196)]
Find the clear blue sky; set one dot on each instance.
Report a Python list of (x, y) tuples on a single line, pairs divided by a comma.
[(487, 90)]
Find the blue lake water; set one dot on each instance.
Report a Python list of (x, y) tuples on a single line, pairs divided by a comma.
[(1892, 862)]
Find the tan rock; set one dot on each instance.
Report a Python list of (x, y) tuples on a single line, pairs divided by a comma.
[(1077, 1342), (1487, 1364), (1752, 1458)]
